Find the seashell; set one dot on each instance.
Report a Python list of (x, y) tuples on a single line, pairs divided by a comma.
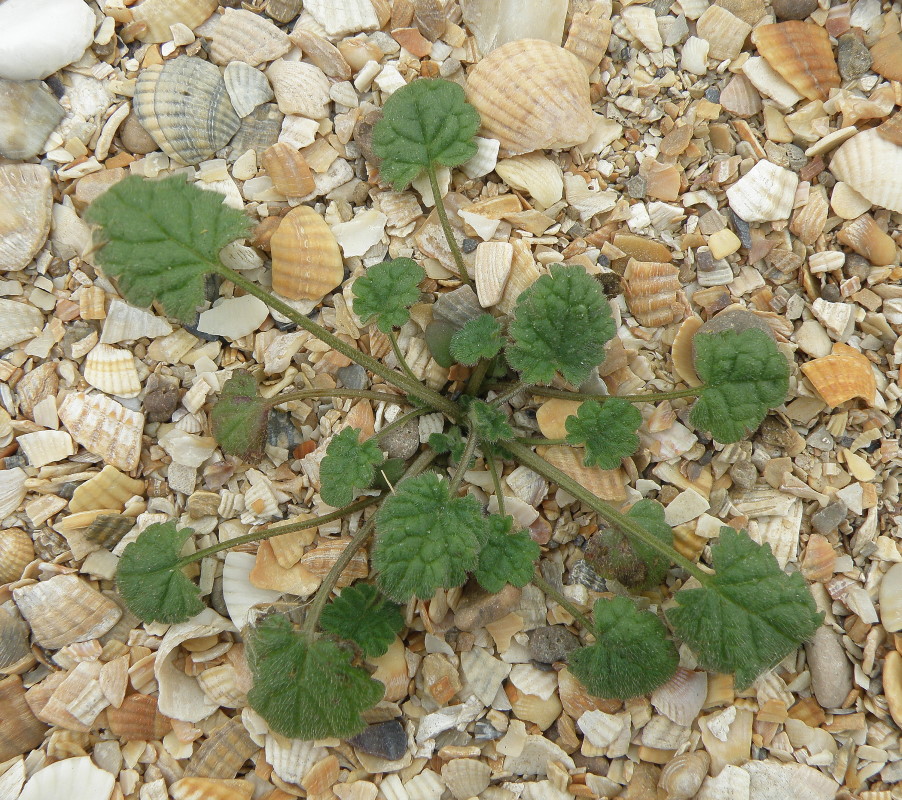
[(528, 486), (300, 88), (740, 97), (458, 306), (683, 353), (25, 204), (796, 780), (839, 378), (532, 708), (104, 427), (870, 164), (801, 53), (819, 561), (211, 788), (306, 260), (322, 53), (653, 292), (886, 57), (65, 609), (732, 783), (152, 18), (223, 752), (12, 490), (587, 39), (247, 87), (138, 719), (808, 222), (764, 194), (643, 25), (268, 573), (125, 323), (239, 594), (46, 447), (608, 484), (288, 169), (534, 173), (466, 777), (321, 558), (727, 736), (682, 776), (59, 779), (392, 672), (6, 427), (866, 238), (20, 322), (891, 130), (694, 56), (184, 106), (724, 32), (343, 17), (524, 273), (241, 35), (108, 489), (291, 759), (107, 530), (21, 730), (112, 370), (16, 553), (31, 113), (532, 95), (220, 685), (15, 652), (491, 269), (682, 697), (846, 202)]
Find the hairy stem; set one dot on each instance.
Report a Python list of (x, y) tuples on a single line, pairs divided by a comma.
[(417, 412), (463, 466), (474, 384), (496, 480), (509, 392), (539, 440), (446, 225), (623, 523), (361, 394), (400, 356), (578, 615), (651, 397)]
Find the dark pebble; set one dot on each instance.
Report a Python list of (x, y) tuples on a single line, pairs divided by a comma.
[(387, 740), (793, 9), (281, 432), (484, 731), (831, 293), (469, 245), (744, 474), (712, 94), (551, 643), (352, 376), (852, 57), (742, 229), (402, 442), (162, 397), (828, 519)]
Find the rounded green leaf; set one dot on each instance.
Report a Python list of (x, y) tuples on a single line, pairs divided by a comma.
[(387, 291)]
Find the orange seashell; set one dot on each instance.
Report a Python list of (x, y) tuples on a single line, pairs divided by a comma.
[(867, 239), (288, 170), (587, 39), (532, 95), (838, 378), (211, 789), (306, 261), (802, 54), (891, 130), (886, 57), (138, 719), (682, 352), (223, 752), (21, 730), (653, 292), (819, 560), (16, 553), (321, 558), (608, 484)]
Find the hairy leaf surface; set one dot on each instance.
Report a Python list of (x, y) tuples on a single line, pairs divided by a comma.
[(608, 431), (240, 418), (387, 291), (478, 338), (349, 465), (489, 422), (362, 615), (506, 557)]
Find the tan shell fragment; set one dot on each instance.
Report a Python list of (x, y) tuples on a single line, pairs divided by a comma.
[(764, 194), (241, 35), (211, 789), (653, 292), (288, 169), (891, 130), (886, 57), (341, 17), (491, 270), (682, 352), (247, 87), (25, 204), (839, 378), (223, 752), (724, 31), (20, 322), (682, 776), (46, 447), (819, 560), (104, 427), (113, 371), (608, 484), (21, 731), (152, 18), (587, 39), (306, 259), (466, 777), (16, 553), (65, 609), (532, 95), (138, 719), (801, 53), (321, 558), (872, 166), (109, 489), (868, 239)]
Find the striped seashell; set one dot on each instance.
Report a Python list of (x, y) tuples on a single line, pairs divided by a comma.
[(322, 53), (292, 758), (819, 560), (184, 106), (152, 18), (20, 322), (25, 204), (31, 113), (608, 484), (653, 292), (802, 54), (321, 558), (138, 719), (211, 788), (15, 651), (247, 87), (12, 490), (886, 57), (491, 270), (870, 164), (108, 489), (868, 239), (16, 553), (104, 427), (682, 776), (59, 780), (108, 530), (682, 697), (587, 39), (112, 370), (125, 323), (764, 194), (223, 752), (288, 169), (300, 88), (46, 447), (839, 378), (534, 173), (220, 685), (238, 593), (532, 95), (306, 259), (241, 35), (740, 97), (342, 17), (466, 777), (21, 730)]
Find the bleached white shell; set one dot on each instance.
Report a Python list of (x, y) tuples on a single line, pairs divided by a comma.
[(765, 193), (125, 323), (491, 270), (292, 758), (466, 777), (300, 88), (643, 24), (485, 159), (534, 173), (247, 87), (774, 781), (112, 370), (342, 17), (238, 592), (733, 783), (45, 447), (20, 322), (25, 204), (243, 35), (158, 15), (682, 697), (234, 317), (59, 780), (12, 490), (872, 166)]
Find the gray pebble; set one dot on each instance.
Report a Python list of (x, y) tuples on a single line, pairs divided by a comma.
[(162, 397), (353, 376), (793, 9), (281, 432), (831, 293), (820, 438), (852, 57), (712, 94), (75, 332), (402, 442), (485, 732), (385, 740), (828, 519), (469, 245), (744, 474), (551, 643), (742, 229), (831, 672), (636, 187)]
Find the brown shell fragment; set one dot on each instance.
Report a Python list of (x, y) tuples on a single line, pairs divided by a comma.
[(211, 789), (868, 239), (109, 489), (588, 39), (306, 260), (891, 130), (683, 353), (21, 730), (288, 170), (653, 292), (223, 752), (886, 57), (138, 719), (608, 484), (839, 378), (16, 553), (802, 54), (321, 559)]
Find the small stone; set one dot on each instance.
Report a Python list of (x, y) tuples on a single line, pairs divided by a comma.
[(483, 731), (737, 320), (723, 243), (134, 137), (469, 244), (551, 643), (793, 9), (852, 57), (742, 228), (402, 442), (828, 519), (891, 599), (281, 431), (820, 438), (744, 474), (831, 671), (352, 376), (162, 397), (636, 187), (481, 608), (387, 740), (712, 94)]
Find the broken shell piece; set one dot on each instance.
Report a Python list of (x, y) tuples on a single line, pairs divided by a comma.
[(321, 558), (643, 25), (682, 776), (801, 53), (653, 292), (683, 353), (46, 447), (886, 57), (104, 427), (819, 560), (21, 730), (112, 370), (300, 88), (25, 204), (534, 173), (65, 609), (532, 95), (31, 113), (872, 166), (740, 97), (239, 594), (724, 31), (288, 170), (20, 322), (223, 752), (152, 18), (846, 202), (126, 323), (241, 35), (682, 697), (839, 378), (587, 39), (221, 686), (109, 489), (59, 780), (491, 270), (211, 789), (15, 651), (866, 238), (247, 87), (466, 777), (608, 484), (306, 260), (138, 719), (16, 553), (891, 130), (764, 194), (342, 17), (269, 574), (12, 490)]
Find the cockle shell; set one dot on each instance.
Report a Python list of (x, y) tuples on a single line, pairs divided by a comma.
[(868, 239), (838, 378), (241, 35), (221, 686), (46, 447), (764, 194), (152, 18), (211, 789), (25, 203), (20, 322), (534, 173), (184, 106), (306, 259), (653, 292), (288, 169), (223, 752), (108, 489), (112, 370), (682, 776), (724, 32), (872, 166), (587, 39), (801, 53), (16, 553), (682, 697), (138, 719), (466, 777), (532, 95), (247, 87), (104, 427), (300, 88), (59, 780), (342, 17)]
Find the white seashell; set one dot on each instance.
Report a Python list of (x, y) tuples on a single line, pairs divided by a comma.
[(534, 173), (466, 777), (683, 775), (104, 427), (234, 317), (586, 200), (6, 427), (682, 697), (693, 9), (247, 87), (125, 323), (780, 532), (300, 88), (25, 204), (220, 685), (771, 780), (664, 734), (643, 25), (152, 18), (13, 779), (694, 55), (425, 786), (527, 485), (770, 83), (847, 203), (31, 113), (239, 594), (291, 759), (46, 447), (342, 17), (765, 193), (12, 490), (491, 270), (112, 370), (59, 779), (871, 166), (20, 322), (485, 159), (724, 31), (241, 35), (358, 235), (733, 783)]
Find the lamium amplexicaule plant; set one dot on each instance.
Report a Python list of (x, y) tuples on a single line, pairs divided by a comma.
[(742, 614)]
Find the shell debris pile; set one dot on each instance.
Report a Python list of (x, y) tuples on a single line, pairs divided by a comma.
[(702, 159)]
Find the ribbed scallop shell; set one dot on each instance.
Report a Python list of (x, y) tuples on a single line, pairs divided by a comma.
[(868, 239), (184, 106), (872, 166), (220, 684), (466, 777), (223, 752), (802, 54), (61, 778), (682, 776), (342, 17), (211, 789), (108, 489), (12, 490), (306, 259), (241, 35), (653, 292), (247, 87), (886, 57), (20, 322), (534, 173), (239, 594), (764, 194), (158, 15), (682, 697), (838, 378), (608, 484), (532, 95), (288, 169), (112, 370), (104, 427), (292, 758), (819, 560), (587, 39), (491, 270), (46, 447), (138, 719), (321, 558), (25, 203), (16, 553)]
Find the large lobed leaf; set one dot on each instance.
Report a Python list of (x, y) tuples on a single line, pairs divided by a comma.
[(362, 615), (749, 615), (425, 123), (240, 418), (349, 465), (159, 239), (306, 688), (561, 323), (153, 587), (608, 431), (744, 375), (506, 557), (387, 291)]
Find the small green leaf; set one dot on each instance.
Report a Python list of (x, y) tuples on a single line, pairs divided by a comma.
[(387, 291), (426, 539), (427, 122), (389, 472), (607, 430), (631, 655), (349, 465), (744, 374), (306, 688), (240, 417), (479, 338), (506, 557), (159, 238), (561, 323), (634, 564), (153, 587), (489, 422), (362, 615), (451, 442), (749, 615)]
